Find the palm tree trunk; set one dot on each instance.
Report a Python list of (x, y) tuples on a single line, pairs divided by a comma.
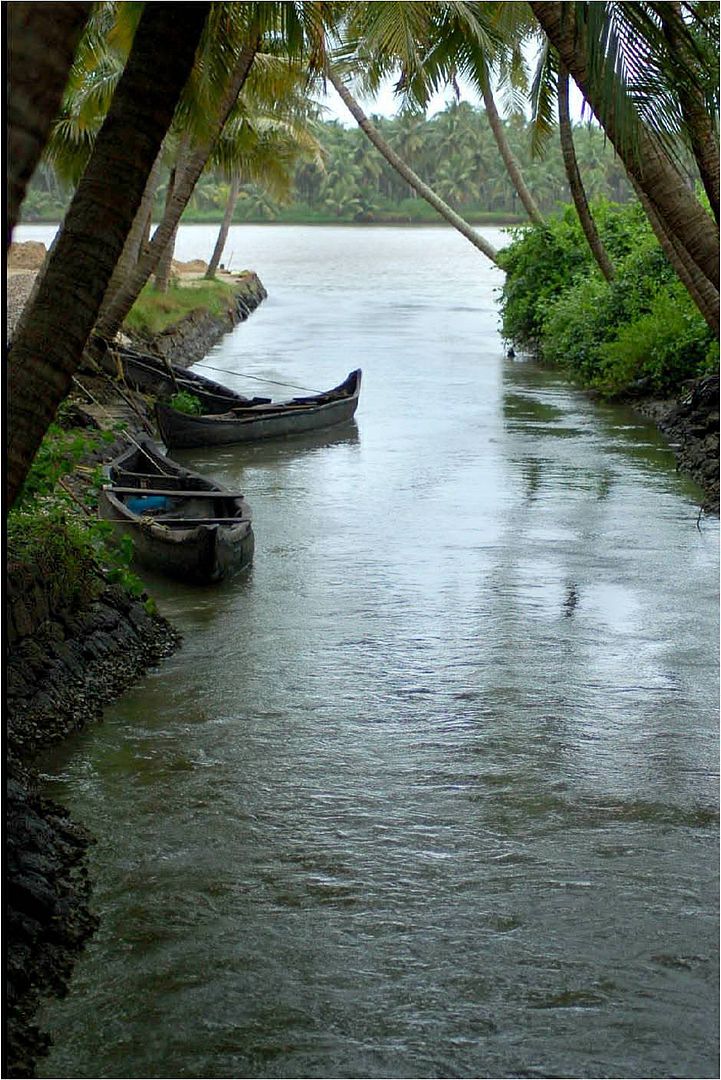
[(699, 288), (701, 129), (224, 228), (677, 207), (509, 159), (164, 268), (48, 345), (113, 314), (134, 244), (575, 182), (147, 229), (42, 40), (165, 262), (408, 175)]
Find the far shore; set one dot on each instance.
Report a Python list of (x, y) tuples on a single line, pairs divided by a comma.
[(490, 223)]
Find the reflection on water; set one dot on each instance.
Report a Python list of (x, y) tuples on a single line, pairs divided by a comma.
[(431, 791)]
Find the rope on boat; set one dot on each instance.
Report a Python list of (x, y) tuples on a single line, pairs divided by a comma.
[(258, 378)]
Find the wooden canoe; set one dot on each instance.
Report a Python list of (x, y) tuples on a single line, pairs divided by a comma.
[(162, 379), (270, 420), (181, 524)]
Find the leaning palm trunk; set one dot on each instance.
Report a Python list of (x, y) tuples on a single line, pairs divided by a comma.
[(224, 228), (699, 288), (509, 159), (42, 39), (134, 244), (165, 265), (113, 314), (408, 175), (680, 212), (700, 127), (165, 262), (48, 346), (575, 183)]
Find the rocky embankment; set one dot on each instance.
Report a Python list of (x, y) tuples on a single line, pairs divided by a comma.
[(691, 425), (67, 658), (65, 662), (190, 339)]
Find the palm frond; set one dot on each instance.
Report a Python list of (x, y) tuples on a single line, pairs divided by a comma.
[(543, 99)]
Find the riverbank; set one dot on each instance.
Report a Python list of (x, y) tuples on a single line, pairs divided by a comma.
[(70, 653), (691, 425), (64, 665)]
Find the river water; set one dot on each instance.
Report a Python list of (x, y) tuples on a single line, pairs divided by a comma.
[(432, 790)]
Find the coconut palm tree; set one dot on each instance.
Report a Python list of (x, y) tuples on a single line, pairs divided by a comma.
[(587, 40), (575, 183), (412, 179), (689, 59), (42, 39), (263, 147), (48, 344), (481, 44), (117, 306), (234, 41)]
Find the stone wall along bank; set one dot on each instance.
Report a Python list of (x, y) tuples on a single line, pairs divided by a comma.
[(188, 340)]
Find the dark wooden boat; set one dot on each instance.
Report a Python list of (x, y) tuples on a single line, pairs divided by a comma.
[(181, 524), (270, 420), (160, 378)]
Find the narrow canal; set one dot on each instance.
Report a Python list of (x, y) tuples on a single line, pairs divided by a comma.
[(432, 791)]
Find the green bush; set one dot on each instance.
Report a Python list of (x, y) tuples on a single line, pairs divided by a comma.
[(48, 527), (576, 325), (540, 263), (543, 262), (639, 333), (659, 350), (48, 538)]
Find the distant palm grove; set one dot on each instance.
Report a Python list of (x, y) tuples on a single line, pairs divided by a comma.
[(454, 151)]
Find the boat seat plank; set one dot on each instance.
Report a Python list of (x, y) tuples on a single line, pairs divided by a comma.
[(172, 491), (191, 521)]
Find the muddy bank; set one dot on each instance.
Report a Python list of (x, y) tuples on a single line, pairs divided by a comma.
[(691, 425)]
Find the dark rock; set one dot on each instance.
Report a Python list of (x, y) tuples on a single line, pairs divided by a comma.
[(58, 680)]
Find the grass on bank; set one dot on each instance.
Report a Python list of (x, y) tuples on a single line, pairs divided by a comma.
[(154, 312), (56, 527)]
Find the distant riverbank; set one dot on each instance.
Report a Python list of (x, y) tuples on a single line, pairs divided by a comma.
[(421, 215)]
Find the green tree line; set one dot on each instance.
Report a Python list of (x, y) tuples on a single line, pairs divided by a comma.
[(454, 151)]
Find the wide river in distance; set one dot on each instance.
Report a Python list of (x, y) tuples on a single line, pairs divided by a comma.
[(432, 790)]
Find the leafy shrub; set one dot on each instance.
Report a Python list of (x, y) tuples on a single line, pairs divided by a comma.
[(186, 403), (539, 265), (47, 526), (543, 261), (63, 551), (58, 454), (640, 332), (576, 325), (658, 350)]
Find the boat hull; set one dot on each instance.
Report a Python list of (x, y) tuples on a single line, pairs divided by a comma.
[(195, 553), (179, 430), (200, 556)]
